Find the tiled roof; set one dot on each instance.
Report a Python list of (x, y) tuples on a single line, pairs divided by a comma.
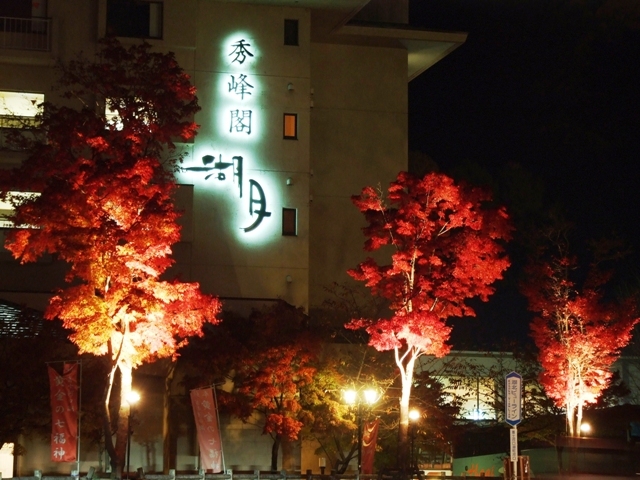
[(19, 321)]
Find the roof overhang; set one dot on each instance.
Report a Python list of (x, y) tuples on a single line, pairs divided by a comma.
[(327, 15), (424, 47), (329, 23)]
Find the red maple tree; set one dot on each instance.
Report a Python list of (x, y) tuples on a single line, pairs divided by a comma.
[(279, 362), (272, 382), (579, 333), (446, 246), (104, 205)]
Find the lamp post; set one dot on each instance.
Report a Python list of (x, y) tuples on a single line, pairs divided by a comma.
[(132, 398), (414, 415), (363, 397)]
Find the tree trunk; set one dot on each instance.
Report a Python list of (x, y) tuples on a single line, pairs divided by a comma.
[(124, 417), (108, 424), (275, 448), (579, 419), (406, 374), (168, 460)]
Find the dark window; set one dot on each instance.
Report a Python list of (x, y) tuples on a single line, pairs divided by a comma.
[(290, 32), (134, 18), (289, 221), (16, 8), (290, 126)]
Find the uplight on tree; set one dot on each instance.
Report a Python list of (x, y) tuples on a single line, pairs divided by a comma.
[(132, 398)]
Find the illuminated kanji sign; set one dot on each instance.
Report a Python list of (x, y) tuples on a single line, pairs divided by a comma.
[(240, 86), (215, 168), (256, 198), (229, 167), (240, 121), (240, 51)]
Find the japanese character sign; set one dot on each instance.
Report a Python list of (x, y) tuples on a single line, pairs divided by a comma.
[(241, 86), (240, 51), (64, 413), (240, 118), (206, 418), (240, 121), (229, 168)]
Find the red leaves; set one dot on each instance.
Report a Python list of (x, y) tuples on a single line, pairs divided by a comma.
[(579, 335), (106, 206), (447, 249), (151, 94), (272, 380)]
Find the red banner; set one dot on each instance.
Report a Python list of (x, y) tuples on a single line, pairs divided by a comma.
[(369, 440), (206, 417), (64, 413)]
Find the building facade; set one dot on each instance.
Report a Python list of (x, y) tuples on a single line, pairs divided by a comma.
[(303, 104)]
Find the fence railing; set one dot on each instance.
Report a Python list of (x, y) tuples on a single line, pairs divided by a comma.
[(238, 475), (25, 33)]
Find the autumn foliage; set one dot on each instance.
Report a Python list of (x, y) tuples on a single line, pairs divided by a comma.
[(105, 206), (269, 357), (444, 245), (579, 332), (271, 383)]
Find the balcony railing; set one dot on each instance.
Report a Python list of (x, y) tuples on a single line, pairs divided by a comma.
[(25, 33), (18, 121)]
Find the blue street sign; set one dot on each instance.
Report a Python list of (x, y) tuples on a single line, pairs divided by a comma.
[(513, 399)]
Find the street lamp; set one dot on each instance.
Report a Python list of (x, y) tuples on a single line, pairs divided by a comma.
[(414, 416), (132, 398), (364, 397)]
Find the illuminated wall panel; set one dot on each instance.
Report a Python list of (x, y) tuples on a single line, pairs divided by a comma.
[(239, 164)]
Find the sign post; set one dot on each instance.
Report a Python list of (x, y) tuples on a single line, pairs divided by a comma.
[(513, 414)]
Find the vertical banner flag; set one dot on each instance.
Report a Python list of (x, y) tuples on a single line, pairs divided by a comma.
[(369, 440), (206, 417), (64, 413)]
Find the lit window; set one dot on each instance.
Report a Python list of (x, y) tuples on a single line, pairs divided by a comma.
[(19, 109), (291, 126), (112, 117), (6, 207), (138, 108), (134, 18), (291, 32), (289, 221)]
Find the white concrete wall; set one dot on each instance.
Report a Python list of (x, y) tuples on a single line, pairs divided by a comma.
[(359, 124)]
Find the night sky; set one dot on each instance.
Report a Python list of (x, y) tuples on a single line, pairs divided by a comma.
[(552, 86)]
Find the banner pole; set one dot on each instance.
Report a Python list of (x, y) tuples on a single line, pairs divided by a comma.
[(79, 415), (215, 401)]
